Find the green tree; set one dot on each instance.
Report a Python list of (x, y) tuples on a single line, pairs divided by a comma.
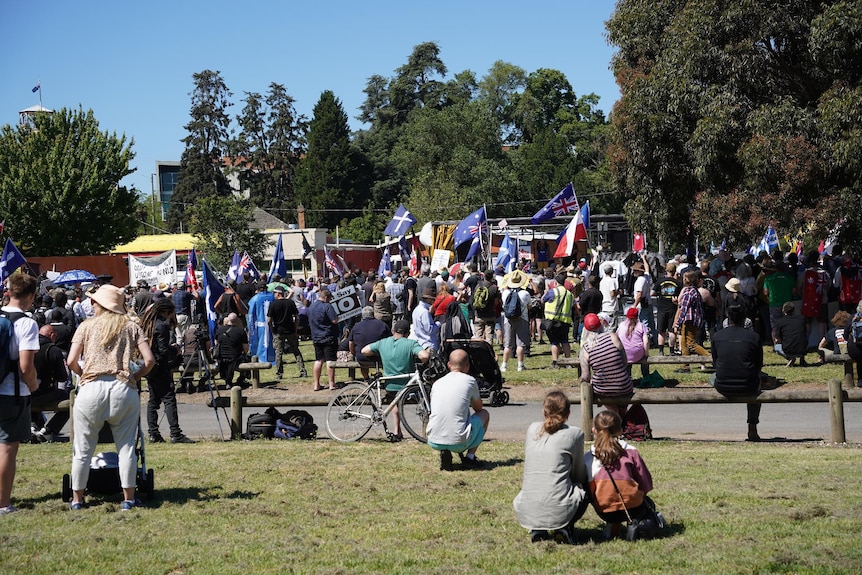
[(220, 226), (364, 229), (202, 167), (325, 178), (59, 185), (268, 149), (499, 89), (737, 116)]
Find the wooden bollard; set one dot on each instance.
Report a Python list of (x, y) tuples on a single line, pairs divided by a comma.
[(236, 412), (836, 411)]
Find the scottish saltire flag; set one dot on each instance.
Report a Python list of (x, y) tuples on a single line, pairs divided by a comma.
[(385, 263), (246, 265), (475, 249), (471, 227), (191, 266), (563, 203), (37, 87), (278, 265), (212, 291), (307, 250), (11, 260), (233, 270), (401, 222), (507, 256)]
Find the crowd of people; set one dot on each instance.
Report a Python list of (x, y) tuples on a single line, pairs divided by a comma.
[(614, 311)]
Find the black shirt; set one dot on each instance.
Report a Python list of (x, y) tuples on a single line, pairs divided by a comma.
[(231, 340), (738, 359), (590, 301), (790, 330), (283, 314)]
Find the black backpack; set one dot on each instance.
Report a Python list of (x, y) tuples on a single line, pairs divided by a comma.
[(7, 332)]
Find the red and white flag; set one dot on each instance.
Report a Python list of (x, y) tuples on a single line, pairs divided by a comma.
[(639, 243), (574, 232)]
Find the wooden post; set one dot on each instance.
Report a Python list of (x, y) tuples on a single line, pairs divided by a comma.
[(255, 374), (848, 375), (587, 410), (836, 411), (235, 412)]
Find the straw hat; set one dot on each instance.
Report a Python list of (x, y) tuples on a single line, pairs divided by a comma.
[(110, 298), (517, 279), (732, 285)]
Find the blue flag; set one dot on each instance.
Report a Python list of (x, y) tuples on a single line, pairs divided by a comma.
[(400, 223), (12, 260), (37, 87), (259, 334), (508, 254), (768, 244), (246, 265), (404, 251), (212, 290), (585, 214), (233, 270), (385, 263), (470, 227), (278, 266), (475, 248), (560, 205)]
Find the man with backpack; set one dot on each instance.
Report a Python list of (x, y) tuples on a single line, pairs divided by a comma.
[(516, 323), (19, 342), (484, 304)]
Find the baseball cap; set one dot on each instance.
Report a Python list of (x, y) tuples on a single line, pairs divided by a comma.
[(632, 313), (592, 322), (402, 326)]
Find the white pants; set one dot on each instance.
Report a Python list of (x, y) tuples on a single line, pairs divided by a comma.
[(105, 400)]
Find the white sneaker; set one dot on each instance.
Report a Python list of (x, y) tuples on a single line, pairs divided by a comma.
[(520, 367), (7, 510), (502, 367)]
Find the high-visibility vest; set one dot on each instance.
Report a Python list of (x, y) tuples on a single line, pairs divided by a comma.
[(560, 308)]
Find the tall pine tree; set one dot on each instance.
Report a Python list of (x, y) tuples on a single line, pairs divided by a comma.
[(201, 173), (325, 178)]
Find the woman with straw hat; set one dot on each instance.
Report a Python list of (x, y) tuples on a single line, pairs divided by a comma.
[(102, 355)]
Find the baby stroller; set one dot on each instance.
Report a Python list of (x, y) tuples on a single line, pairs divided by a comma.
[(483, 366), (105, 472)]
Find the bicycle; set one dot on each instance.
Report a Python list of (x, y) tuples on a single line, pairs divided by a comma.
[(357, 407)]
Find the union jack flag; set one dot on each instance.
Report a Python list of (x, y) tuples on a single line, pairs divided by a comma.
[(191, 278), (563, 203)]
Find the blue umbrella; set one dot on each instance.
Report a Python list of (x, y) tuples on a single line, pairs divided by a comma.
[(74, 277)]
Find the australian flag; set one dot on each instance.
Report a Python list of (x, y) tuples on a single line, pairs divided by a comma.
[(400, 223), (246, 265), (470, 227), (563, 203)]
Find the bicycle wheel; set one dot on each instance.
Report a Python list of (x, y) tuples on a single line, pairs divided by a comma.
[(351, 413), (415, 408)]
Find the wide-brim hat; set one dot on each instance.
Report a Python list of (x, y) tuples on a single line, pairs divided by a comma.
[(517, 280), (638, 267), (732, 285), (110, 298)]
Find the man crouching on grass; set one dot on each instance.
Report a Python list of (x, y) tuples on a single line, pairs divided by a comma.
[(451, 427)]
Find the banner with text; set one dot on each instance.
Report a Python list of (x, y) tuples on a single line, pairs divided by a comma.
[(153, 269)]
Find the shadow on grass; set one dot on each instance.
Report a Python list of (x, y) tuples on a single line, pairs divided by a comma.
[(583, 536)]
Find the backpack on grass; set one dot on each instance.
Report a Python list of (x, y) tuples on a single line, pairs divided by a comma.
[(636, 425)]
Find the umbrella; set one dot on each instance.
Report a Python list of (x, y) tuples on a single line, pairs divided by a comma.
[(74, 277)]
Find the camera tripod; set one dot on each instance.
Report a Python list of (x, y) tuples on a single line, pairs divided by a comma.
[(206, 382)]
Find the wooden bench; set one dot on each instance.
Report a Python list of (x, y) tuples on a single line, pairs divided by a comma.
[(253, 367), (64, 405), (351, 367), (649, 360)]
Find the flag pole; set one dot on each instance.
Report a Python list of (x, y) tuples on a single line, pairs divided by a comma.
[(488, 260)]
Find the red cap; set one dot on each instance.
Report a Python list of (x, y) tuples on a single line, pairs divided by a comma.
[(592, 322), (632, 313)]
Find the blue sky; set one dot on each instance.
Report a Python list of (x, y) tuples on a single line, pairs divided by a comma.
[(132, 62)]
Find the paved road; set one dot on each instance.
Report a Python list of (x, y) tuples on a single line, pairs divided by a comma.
[(790, 421)]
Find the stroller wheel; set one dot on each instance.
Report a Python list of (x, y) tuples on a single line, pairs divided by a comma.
[(66, 494), (503, 397)]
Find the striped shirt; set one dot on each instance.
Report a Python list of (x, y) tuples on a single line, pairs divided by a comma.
[(609, 374), (690, 307)]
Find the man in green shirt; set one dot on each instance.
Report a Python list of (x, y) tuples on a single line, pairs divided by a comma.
[(398, 355)]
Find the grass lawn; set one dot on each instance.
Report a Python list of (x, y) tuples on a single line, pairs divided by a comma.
[(375, 507)]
